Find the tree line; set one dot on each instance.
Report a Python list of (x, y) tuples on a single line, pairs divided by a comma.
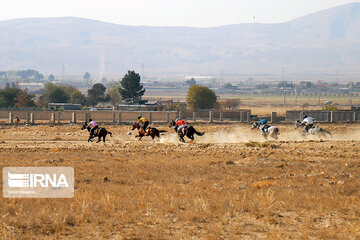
[(128, 89)]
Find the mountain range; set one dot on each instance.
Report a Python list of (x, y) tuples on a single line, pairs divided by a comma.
[(325, 42)]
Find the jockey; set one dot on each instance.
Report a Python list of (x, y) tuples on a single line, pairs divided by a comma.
[(17, 120), (94, 126), (308, 122), (262, 125), (144, 123), (181, 124)]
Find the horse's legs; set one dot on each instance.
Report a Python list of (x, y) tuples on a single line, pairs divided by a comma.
[(104, 138)]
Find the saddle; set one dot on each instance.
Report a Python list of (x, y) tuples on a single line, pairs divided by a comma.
[(265, 129), (183, 130), (97, 131), (144, 132)]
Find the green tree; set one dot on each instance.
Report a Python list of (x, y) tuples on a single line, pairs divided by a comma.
[(130, 88), (15, 97), (96, 94), (7, 97), (51, 77), (58, 95), (199, 97), (87, 77), (53, 93), (191, 82), (114, 94), (75, 96), (24, 99)]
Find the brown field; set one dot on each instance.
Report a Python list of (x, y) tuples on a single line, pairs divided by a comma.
[(228, 184)]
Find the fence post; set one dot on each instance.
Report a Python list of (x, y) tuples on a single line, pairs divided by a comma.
[(87, 117), (28, 118), (273, 117), (58, 118), (52, 118), (221, 116), (167, 117), (180, 114), (32, 120), (210, 116), (332, 119), (113, 117), (194, 116), (248, 117), (242, 117), (73, 118), (354, 117), (150, 117), (11, 120), (119, 121)]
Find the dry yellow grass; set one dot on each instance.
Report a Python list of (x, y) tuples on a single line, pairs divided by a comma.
[(218, 187)]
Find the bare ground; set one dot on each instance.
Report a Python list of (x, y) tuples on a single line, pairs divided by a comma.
[(228, 184)]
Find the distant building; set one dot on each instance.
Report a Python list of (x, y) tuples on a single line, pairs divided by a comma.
[(148, 106), (64, 106)]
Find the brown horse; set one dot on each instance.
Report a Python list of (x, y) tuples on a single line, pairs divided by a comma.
[(100, 133), (153, 132)]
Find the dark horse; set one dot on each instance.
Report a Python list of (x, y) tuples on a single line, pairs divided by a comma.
[(100, 132), (189, 131), (153, 132)]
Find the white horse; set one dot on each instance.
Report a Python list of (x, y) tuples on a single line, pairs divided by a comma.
[(316, 131), (271, 131)]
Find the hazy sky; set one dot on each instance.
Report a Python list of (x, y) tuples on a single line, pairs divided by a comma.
[(194, 13)]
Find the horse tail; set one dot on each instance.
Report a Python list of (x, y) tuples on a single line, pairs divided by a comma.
[(327, 132), (199, 133), (277, 131)]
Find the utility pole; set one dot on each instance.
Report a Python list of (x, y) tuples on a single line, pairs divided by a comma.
[(350, 93), (295, 94), (284, 94)]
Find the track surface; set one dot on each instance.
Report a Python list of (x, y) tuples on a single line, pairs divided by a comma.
[(228, 184)]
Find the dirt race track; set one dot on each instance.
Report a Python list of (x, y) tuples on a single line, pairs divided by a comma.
[(227, 184)]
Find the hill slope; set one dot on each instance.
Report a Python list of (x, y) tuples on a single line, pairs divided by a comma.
[(320, 42)]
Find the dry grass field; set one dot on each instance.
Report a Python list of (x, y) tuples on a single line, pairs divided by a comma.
[(228, 184)]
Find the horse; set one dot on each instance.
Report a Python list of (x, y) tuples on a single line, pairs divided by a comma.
[(316, 131), (189, 131), (271, 131), (100, 132), (153, 132)]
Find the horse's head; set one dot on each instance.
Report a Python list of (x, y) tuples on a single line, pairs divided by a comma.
[(135, 125), (254, 125), (297, 124)]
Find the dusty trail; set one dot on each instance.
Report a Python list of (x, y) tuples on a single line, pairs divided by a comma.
[(228, 184)]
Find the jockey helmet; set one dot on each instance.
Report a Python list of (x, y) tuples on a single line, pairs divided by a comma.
[(90, 119)]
